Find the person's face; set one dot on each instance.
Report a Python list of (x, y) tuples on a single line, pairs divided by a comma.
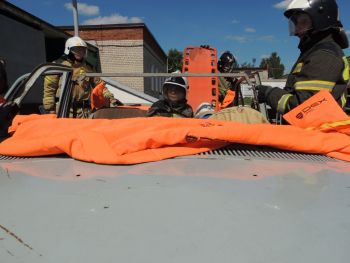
[(175, 93), (78, 52), (226, 68), (299, 24)]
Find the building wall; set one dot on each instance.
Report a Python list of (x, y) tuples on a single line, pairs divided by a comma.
[(22, 47), (128, 50), (153, 64), (122, 56)]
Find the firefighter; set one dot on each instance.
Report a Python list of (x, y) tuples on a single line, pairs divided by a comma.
[(74, 56), (174, 103), (321, 64), (226, 64)]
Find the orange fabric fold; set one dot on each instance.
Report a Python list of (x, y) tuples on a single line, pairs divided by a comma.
[(229, 97), (315, 111), (138, 140)]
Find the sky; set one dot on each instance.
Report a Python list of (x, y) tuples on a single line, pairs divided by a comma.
[(250, 29)]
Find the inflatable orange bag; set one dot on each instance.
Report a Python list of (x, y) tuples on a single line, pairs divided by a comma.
[(316, 111)]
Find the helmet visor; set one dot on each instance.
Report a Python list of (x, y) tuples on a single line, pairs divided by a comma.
[(299, 24), (79, 52)]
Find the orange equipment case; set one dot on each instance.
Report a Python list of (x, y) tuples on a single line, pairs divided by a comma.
[(201, 89)]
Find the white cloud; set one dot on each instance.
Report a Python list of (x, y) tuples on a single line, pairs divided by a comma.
[(239, 39), (112, 19), (84, 9), (282, 5), (268, 38), (235, 21), (264, 56), (250, 30), (348, 32)]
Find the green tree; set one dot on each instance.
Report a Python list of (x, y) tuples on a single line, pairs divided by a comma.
[(274, 65), (175, 59)]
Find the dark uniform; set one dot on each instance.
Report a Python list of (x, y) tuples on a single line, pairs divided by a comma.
[(170, 107), (227, 62), (166, 109), (320, 66)]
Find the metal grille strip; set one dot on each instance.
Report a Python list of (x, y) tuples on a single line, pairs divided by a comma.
[(10, 158), (14, 158), (233, 151), (261, 152)]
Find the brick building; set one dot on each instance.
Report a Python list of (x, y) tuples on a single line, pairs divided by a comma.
[(126, 48)]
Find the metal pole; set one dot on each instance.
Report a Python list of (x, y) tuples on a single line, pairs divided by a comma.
[(149, 75), (75, 17)]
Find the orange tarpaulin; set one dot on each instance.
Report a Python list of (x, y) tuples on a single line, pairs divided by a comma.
[(137, 140)]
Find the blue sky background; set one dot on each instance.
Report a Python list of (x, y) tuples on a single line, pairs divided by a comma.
[(249, 29)]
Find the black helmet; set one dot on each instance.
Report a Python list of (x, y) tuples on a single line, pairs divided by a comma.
[(227, 62), (323, 13)]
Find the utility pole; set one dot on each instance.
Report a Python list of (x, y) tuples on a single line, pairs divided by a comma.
[(75, 17)]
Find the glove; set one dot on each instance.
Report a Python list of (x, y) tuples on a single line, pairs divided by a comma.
[(263, 92)]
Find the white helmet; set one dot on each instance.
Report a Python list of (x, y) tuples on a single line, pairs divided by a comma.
[(74, 42)]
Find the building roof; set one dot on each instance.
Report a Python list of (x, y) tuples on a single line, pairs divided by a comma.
[(50, 31), (24, 17)]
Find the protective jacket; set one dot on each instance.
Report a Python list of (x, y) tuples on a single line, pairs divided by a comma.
[(320, 66), (82, 88), (166, 109)]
